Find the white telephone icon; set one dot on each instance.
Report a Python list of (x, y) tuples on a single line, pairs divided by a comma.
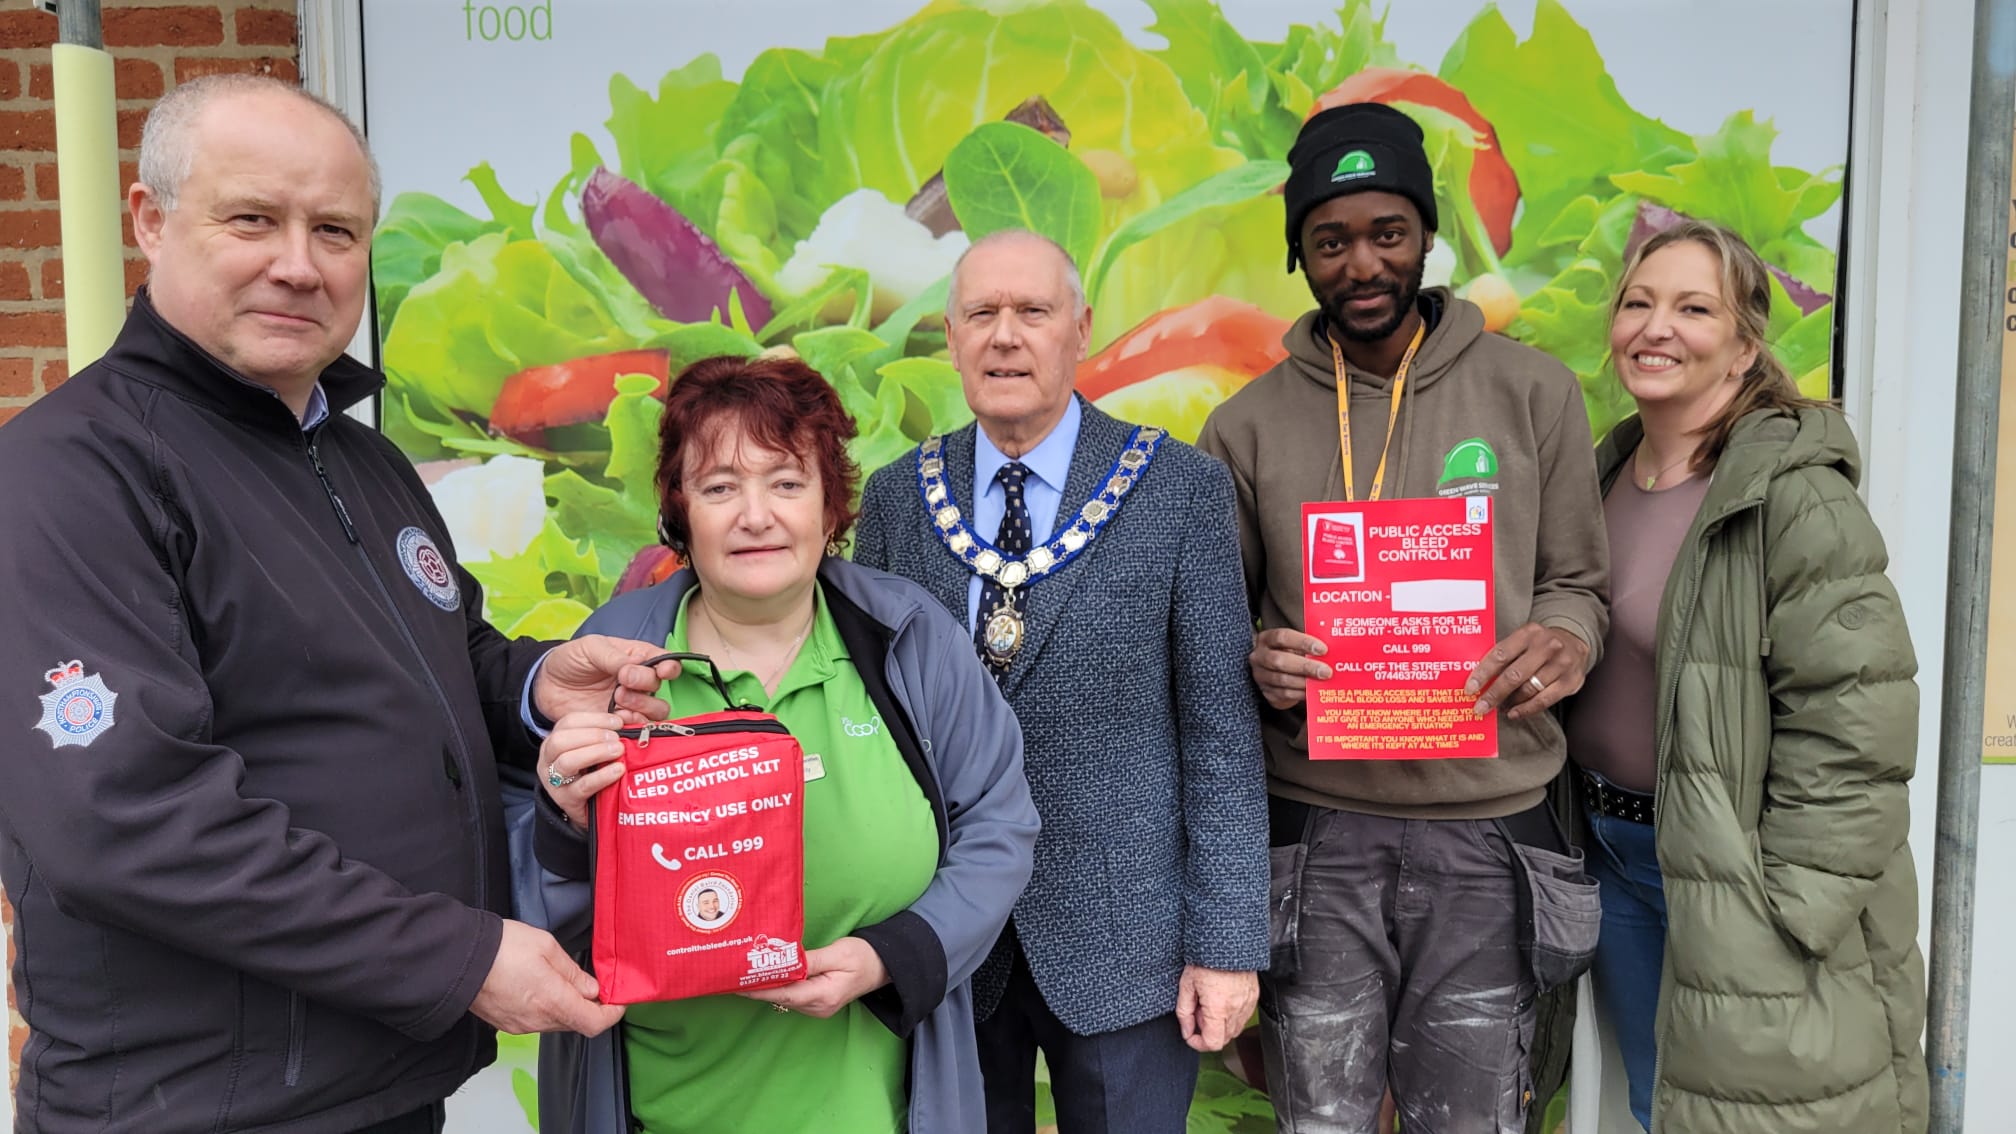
[(658, 852)]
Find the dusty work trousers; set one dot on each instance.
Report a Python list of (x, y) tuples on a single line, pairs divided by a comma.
[(1396, 963)]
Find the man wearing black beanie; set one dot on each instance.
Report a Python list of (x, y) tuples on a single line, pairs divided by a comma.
[(1398, 920)]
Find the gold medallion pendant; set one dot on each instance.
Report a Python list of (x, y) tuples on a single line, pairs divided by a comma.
[(1003, 633)]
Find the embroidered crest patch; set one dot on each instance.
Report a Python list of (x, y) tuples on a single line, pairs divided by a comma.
[(79, 709), (429, 569), (1470, 468)]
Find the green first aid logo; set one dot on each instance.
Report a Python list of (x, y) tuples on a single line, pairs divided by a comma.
[(1471, 459), (1353, 165)]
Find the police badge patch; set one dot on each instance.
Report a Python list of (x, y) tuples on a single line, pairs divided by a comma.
[(79, 708), (428, 569)]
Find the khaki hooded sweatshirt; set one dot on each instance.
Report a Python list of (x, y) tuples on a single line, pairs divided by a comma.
[(1537, 462)]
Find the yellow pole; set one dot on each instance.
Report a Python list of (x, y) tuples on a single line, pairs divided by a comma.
[(89, 199)]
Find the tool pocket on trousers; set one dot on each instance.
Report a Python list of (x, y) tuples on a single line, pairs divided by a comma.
[(1284, 909), (1563, 915), (1515, 1083)]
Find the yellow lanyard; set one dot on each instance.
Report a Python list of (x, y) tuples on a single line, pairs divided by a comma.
[(1392, 417)]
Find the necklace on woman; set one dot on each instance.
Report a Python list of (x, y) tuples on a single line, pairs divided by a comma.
[(1653, 480), (790, 653)]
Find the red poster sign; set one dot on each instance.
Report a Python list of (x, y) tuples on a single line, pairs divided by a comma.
[(1400, 591)]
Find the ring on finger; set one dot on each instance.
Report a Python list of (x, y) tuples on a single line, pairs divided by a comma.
[(554, 777), (1538, 686)]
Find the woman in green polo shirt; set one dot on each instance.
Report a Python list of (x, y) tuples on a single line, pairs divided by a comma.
[(918, 823)]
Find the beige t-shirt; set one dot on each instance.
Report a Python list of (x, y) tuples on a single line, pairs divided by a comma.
[(1610, 721)]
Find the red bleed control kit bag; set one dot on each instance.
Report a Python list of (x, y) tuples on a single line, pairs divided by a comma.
[(1334, 550), (699, 857)]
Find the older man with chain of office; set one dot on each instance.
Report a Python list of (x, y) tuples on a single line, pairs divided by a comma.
[(1098, 565)]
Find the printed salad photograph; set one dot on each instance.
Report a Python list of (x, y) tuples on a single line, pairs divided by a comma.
[(769, 188)]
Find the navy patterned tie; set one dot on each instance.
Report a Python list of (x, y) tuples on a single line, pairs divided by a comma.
[(1013, 540)]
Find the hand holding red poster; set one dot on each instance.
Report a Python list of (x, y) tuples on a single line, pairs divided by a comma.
[(1400, 592)]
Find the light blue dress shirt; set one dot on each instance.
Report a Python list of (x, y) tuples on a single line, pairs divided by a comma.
[(1049, 465), (318, 409)]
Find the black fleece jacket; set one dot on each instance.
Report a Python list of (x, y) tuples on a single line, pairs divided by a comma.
[(256, 884)]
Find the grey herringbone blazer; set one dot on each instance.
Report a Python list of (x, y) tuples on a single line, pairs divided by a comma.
[(1140, 730)]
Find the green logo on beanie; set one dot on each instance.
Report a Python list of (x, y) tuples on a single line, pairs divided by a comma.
[(1353, 165), (1471, 459)]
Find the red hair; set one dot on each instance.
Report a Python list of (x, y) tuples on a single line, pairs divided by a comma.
[(779, 404)]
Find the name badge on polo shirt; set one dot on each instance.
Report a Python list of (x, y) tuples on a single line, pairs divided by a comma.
[(815, 767)]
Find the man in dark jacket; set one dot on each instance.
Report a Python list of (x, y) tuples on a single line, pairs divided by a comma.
[(251, 825)]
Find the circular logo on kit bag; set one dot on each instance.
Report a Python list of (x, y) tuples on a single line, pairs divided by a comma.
[(710, 902), (429, 569)]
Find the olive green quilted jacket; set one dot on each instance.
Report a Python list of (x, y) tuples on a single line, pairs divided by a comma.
[(1793, 992)]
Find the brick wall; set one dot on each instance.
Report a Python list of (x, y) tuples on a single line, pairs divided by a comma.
[(153, 46)]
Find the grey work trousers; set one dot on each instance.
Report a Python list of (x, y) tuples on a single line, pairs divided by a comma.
[(1397, 964)]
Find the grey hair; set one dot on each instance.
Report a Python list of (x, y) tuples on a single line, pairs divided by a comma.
[(1010, 235), (167, 152)]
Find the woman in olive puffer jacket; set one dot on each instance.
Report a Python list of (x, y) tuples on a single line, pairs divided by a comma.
[(1745, 748)]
